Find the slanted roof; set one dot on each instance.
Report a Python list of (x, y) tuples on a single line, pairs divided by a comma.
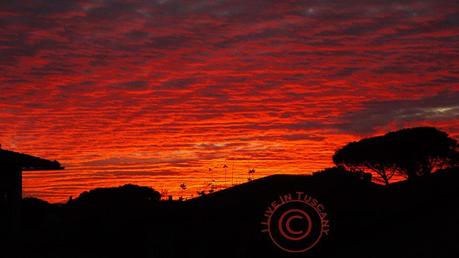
[(26, 162)]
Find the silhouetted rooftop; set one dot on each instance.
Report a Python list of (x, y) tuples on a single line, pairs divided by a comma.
[(26, 162)]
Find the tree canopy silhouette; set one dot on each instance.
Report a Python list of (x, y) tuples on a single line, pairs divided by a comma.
[(412, 153), (126, 195)]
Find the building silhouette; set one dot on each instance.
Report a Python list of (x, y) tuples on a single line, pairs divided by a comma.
[(12, 164)]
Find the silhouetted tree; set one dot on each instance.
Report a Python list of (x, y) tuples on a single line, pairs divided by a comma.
[(412, 153), (164, 194), (183, 187), (201, 193), (124, 195), (340, 172), (212, 187), (35, 211), (455, 158), (251, 172)]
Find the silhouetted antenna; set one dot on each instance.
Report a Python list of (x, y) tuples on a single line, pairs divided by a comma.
[(232, 174), (225, 167), (212, 181), (216, 176)]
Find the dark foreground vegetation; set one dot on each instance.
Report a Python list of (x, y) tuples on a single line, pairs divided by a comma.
[(406, 219), (413, 218)]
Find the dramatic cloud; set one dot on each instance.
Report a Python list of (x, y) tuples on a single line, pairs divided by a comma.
[(158, 92), (443, 107)]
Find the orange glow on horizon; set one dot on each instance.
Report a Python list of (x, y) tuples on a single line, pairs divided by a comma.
[(157, 92)]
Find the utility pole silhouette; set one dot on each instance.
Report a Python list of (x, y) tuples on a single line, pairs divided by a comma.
[(232, 174), (225, 167)]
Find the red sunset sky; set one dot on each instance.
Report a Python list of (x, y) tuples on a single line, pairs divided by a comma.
[(157, 92)]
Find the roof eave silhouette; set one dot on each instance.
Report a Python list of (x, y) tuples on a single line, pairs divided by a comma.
[(27, 162)]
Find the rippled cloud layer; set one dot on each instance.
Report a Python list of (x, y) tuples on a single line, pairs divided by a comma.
[(158, 92)]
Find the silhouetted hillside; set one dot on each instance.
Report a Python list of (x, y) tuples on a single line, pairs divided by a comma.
[(405, 219)]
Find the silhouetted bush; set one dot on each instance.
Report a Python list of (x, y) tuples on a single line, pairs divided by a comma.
[(123, 196), (125, 193)]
